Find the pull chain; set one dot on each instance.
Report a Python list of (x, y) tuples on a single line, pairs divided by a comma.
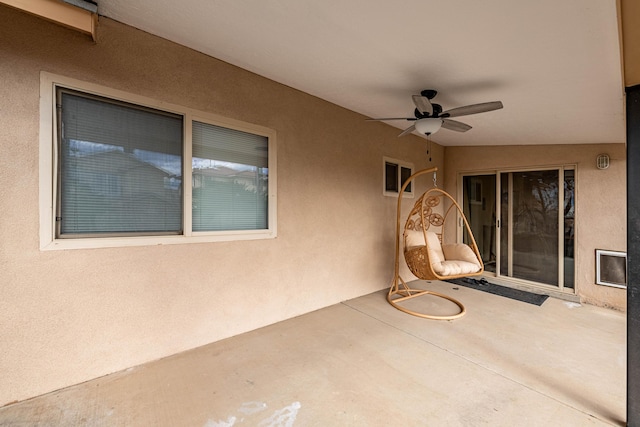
[(435, 181)]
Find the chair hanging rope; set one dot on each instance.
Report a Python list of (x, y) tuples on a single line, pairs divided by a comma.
[(428, 255)]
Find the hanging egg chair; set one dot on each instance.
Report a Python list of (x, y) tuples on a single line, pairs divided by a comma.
[(430, 248)]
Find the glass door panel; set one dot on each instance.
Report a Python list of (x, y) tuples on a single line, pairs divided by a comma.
[(569, 217), (505, 180), (533, 234), (479, 207)]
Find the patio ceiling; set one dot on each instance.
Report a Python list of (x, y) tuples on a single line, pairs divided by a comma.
[(554, 64)]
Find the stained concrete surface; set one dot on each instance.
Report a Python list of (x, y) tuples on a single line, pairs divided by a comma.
[(364, 363)]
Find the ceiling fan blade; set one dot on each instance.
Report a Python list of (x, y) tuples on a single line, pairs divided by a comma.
[(472, 109), (455, 125), (407, 130), (391, 118), (423, 104)]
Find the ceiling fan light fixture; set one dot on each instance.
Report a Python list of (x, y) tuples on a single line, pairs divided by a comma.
[(429, 117), (428, 125)]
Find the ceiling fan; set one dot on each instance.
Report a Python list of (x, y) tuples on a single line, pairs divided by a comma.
[(429, 117)]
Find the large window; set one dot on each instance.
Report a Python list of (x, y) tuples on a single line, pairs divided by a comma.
[(119, 168), (126, 170)]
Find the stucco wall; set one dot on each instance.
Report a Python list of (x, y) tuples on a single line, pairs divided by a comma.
[(600, 200), (69, 316)]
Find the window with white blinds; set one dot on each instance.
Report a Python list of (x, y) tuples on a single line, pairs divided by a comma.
[(121, 170), (230, 179)]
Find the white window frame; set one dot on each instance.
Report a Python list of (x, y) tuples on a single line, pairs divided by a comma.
[(599, 273), (48, 170), (401, 164)]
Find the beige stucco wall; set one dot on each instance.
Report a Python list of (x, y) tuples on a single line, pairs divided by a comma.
[(600, 200), (69, 316)]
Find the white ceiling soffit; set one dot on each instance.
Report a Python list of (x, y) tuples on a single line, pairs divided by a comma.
[(554, 64)]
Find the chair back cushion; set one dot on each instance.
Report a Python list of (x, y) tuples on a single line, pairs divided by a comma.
[(415, 238), (459, 252)]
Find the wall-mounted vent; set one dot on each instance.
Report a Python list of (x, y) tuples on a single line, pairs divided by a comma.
[(611, 268)]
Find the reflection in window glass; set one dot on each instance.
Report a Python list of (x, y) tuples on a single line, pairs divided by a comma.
[(230, 179), (569, 223), (532, 205), (405, 173), (391, 177), (114, 164)]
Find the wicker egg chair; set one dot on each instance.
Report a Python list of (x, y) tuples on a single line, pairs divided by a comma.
[(428, 250)]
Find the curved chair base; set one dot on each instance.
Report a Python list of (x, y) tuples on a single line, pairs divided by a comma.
[(407, 294)]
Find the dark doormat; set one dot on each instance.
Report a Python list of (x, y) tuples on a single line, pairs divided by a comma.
[(492, 288)]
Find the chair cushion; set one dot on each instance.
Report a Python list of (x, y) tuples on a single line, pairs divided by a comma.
[(435, 248), (446, 260), (459, 252), (453, 268), (459, 259), (415, 238)]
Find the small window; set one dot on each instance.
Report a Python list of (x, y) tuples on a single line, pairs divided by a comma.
[(396, 173)]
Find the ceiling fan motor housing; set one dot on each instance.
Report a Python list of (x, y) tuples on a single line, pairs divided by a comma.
[(437, 109), (429, 93)]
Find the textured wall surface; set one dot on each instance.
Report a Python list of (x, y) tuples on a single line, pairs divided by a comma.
[(600, 200), (68, 316)]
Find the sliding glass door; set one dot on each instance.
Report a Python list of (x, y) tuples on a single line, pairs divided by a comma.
[(527, 232)]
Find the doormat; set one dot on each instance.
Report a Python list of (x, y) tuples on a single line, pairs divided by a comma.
[(492, 288)]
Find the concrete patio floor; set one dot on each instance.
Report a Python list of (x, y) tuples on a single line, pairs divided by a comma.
[(364, 363)]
